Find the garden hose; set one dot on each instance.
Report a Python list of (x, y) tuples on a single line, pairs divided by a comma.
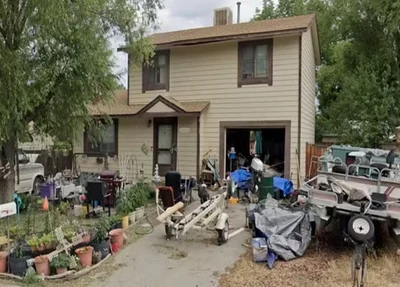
[(139, 226)]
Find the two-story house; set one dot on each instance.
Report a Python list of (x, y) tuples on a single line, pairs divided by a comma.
[(208, 89)]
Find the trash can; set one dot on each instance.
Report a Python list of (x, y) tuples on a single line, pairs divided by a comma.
[(266, 186)]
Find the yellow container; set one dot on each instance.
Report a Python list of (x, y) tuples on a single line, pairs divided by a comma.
[(125, 222), (233, 200)]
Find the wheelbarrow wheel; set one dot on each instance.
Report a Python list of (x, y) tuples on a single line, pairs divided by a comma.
[(223, 234)]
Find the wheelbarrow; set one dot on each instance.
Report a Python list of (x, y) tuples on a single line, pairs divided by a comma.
[(208, 215)]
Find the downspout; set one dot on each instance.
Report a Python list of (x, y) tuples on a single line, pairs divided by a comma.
[(129, 73), (299, 115), (198, 150)]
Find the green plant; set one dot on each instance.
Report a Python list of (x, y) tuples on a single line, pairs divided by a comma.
[(114, 219), (61, 261), (18, 251), (69, 234), (101, 230), (64, 208), (49, 239), (136, 196), (35, 241), (16, 232)]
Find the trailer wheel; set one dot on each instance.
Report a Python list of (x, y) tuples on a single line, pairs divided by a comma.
[(361, 228), (223, 234)]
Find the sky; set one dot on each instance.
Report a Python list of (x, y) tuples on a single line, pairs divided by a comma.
[(180, 15)]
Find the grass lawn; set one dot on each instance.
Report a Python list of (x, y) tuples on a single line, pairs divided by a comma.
[(326, 263)]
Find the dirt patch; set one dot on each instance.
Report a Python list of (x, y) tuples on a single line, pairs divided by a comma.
[(173, 252), (322, 265)]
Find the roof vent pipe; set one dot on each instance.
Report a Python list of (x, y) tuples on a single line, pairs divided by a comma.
[(238, 12)]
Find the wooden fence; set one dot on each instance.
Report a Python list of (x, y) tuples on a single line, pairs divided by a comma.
[(313, 152), (53, 161)]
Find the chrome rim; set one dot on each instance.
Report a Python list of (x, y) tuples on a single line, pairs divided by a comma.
[(361, 226)]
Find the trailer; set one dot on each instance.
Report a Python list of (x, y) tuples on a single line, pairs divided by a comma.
[(208, 215)]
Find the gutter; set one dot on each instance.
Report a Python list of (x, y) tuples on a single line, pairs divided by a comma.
[(198, 150), (299, 114)]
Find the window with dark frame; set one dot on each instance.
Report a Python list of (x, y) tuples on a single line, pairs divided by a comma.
[(107, 144), (156, 74), (255, 63)]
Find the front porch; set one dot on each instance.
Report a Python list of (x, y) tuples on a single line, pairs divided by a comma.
[(164, 132)]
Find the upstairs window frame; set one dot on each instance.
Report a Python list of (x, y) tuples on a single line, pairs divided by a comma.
[(152, 73), (254, 45)]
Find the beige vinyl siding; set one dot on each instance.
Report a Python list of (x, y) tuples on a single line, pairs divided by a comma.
[(187, 146), (132, 134), (307, 96), (209, 72)]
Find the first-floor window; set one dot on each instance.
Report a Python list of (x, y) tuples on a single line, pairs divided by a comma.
[(106, 143)]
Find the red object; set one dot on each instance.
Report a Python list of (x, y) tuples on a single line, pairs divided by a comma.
[(117, 237), (115, 247)]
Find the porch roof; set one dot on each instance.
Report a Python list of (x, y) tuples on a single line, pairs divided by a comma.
[(120, 106)]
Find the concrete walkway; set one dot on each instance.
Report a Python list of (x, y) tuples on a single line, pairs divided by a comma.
[(194, 260)]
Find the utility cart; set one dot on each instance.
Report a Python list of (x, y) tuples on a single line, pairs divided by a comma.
[(208, 215)]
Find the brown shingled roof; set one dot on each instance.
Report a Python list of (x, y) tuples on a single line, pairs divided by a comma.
[(228, 31), (120, 107)]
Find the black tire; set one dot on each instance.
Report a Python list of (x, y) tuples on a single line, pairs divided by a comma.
[(365, 233), (223, 235), (36, 185)]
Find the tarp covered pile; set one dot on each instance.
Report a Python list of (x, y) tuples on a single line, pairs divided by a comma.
[(288, 232)]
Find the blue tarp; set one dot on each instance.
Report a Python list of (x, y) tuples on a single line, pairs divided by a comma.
[(283, 184), (242, 178)]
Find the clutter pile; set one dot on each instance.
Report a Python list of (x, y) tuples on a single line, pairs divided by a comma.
[(279, 231)]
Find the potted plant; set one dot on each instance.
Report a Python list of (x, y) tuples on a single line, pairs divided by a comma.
[(115, 222), (49, 241), (61, 263), (17, 260), (3, 261), (124, 207), (100, 239), (85, 255), (42, 265), (34, 242)]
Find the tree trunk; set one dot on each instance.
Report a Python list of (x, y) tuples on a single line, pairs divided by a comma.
[(7, 185)]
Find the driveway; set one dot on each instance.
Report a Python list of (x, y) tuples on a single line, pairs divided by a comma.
[(194, 260)]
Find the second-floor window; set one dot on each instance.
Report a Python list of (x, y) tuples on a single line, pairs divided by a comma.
[(156, 73), (255, 63)]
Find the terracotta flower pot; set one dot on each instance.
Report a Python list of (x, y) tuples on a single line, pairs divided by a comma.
[(3, 262), (61, 270), (85, 255), (86, 238), (117, 236), (42, 265)]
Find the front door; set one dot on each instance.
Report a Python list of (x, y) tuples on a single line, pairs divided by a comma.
[(165, 144)]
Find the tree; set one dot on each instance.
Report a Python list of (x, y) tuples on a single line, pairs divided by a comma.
[(56, 60), (359, 78)]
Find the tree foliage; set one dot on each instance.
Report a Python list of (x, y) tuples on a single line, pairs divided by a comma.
[(359, 93), (56, 59)]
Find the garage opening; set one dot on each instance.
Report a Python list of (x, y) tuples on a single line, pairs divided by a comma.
[(267, 143)]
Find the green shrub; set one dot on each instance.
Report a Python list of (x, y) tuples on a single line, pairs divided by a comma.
[(61, 261)]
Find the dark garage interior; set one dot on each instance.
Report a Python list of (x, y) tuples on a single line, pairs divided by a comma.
[(244, 141)]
